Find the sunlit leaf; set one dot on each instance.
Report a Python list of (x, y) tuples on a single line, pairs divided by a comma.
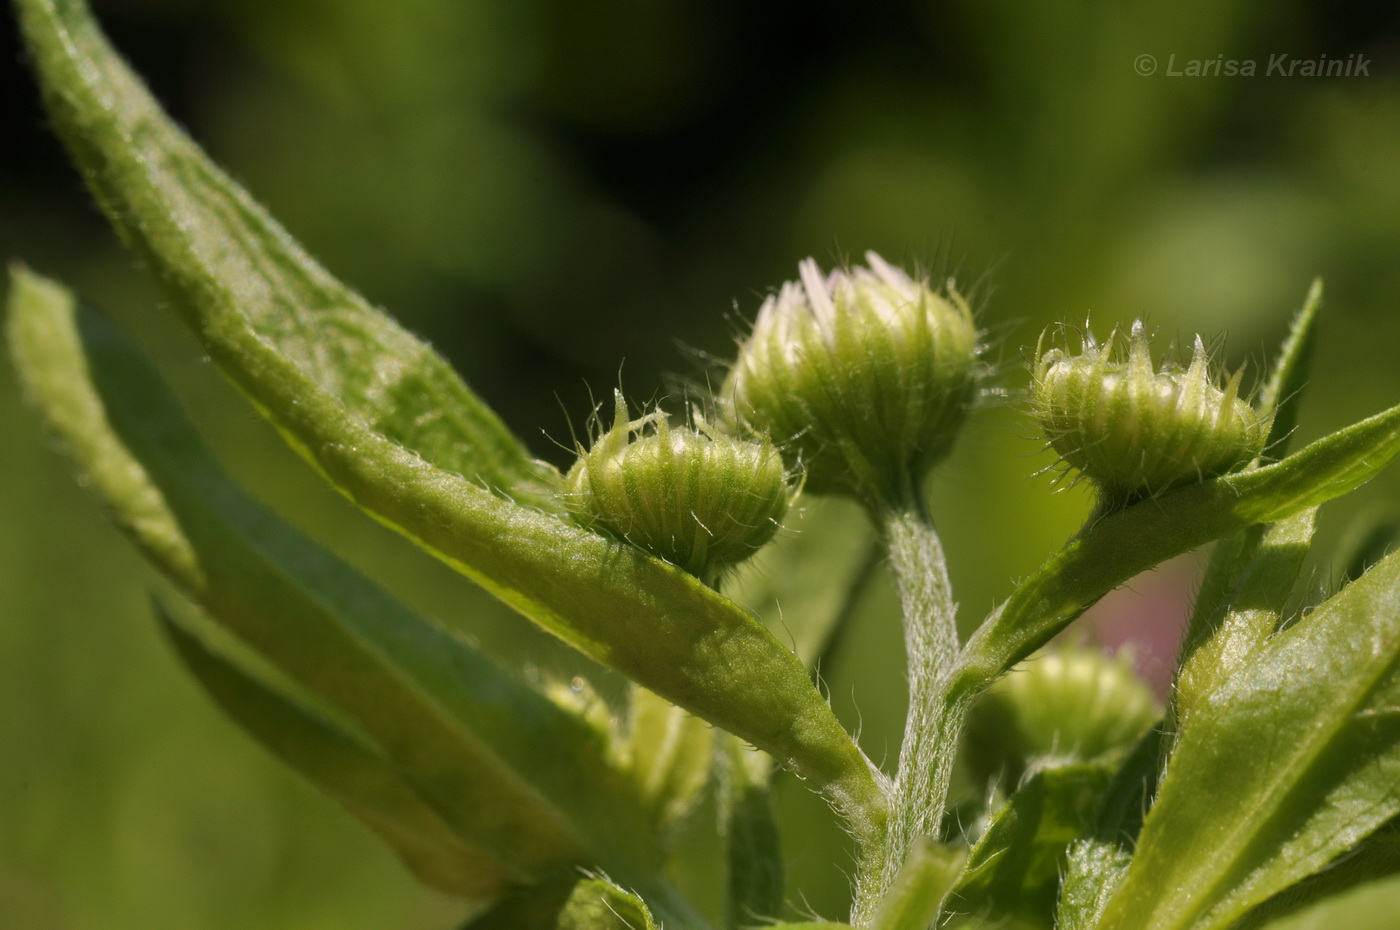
[(344, 386), (1288, 764)]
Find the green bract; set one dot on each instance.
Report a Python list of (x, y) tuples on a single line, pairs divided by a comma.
[(1135, 432), (694, 497), (864, 375)]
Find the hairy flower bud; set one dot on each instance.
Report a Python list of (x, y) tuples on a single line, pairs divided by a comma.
[(1135, 432), (1070, 704), (694, 497), (863, 375)]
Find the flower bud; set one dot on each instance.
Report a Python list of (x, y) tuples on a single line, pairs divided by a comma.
[(1066, 705), (694, 497), (1135, 432), (862, 375)]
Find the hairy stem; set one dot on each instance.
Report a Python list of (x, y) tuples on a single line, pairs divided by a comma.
[(935, 716)]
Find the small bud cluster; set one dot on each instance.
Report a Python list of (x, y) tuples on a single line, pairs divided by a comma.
[(1134, 431), (690, 495), (862, 375)]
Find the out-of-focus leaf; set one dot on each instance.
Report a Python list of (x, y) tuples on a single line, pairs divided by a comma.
[(349, 771), (509, 771), (1123, 544), (1370, 905), (1328, 898), (328, 372), (1366, 542), (1282, 393), (1015, 866), (533, 907), (1098, 860), (914, 900), (672, 754), (1290, 763), (1239, 606), (598, 904), (803, 583), (750, 830)]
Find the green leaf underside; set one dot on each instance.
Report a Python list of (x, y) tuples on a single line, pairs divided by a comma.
[(1015, 866), (1123, 544), (347, 770), (261, 309), (467, 736), (1310, 730)]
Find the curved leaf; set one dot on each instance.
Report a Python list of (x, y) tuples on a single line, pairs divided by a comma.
[(512, 773), (330, 373), (350, 772), (1291, 762)]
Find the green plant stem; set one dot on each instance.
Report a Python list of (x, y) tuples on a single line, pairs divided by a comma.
[(935, 717)]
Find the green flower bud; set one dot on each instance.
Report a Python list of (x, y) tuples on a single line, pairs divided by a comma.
[(694, 497), (1135, 432), (1062, 706), (862, 375)]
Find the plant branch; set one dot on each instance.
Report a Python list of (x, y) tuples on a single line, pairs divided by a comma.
[(935, 718)]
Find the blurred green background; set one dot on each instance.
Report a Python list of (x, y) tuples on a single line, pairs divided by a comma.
[(559, 195)]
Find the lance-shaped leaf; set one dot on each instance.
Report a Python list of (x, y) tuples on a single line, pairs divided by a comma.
[(209, 242), (1282, 393), (1291, 762), (1123, 544), (1014, 868), (264, 311), (510, 772), (347, 769)]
